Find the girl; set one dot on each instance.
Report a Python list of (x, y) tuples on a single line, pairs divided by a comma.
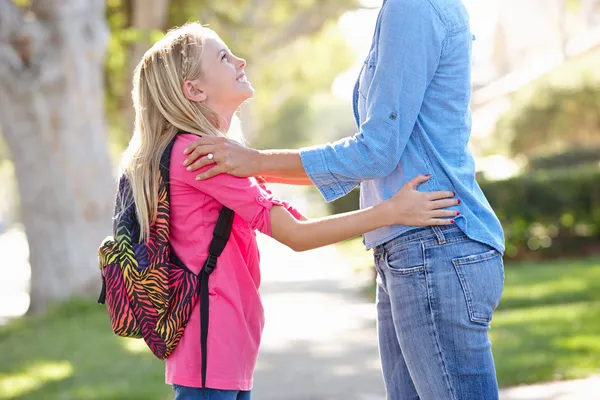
[(191, 82)]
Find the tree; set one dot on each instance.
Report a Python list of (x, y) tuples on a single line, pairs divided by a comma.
[(53, 120)]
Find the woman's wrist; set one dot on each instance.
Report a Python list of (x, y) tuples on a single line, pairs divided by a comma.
[(258, 162)]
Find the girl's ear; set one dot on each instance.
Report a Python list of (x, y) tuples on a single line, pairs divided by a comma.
[(193, 91)]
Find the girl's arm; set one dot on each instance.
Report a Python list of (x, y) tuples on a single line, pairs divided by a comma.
[(407, 207)]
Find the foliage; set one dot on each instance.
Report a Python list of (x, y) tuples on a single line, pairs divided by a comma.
[(548, 214), (555, 119), (575, 157), (574, 75), (289, 84)]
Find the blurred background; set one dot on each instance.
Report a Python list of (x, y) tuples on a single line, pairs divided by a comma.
[(66, 116)]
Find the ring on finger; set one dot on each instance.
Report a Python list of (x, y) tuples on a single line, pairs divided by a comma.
[(210, 157)]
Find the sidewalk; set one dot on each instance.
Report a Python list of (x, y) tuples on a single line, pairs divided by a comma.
[(583, 389), (320, 339)]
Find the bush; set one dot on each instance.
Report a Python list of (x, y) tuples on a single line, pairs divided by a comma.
[(553, 120), (575, 157), (548, 214)]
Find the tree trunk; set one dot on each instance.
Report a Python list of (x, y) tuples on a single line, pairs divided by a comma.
[(53, 119), (148, 16)]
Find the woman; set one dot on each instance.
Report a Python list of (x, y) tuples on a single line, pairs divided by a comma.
[(190, 84)]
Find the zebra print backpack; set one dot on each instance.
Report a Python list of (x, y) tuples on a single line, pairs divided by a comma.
[(148, 291)]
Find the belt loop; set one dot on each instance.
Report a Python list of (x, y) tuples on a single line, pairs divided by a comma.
[(439, 234)]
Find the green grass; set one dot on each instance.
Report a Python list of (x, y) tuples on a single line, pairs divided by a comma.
[(71, 354), (546, 328)]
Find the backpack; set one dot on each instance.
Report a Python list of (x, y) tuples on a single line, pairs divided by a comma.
[(148, 291)]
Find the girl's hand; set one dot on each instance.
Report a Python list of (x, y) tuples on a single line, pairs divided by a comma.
[(413, 208)]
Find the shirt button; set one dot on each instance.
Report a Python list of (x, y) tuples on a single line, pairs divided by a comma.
[(261, 199), (393, 115)]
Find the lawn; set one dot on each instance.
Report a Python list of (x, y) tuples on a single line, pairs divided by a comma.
[(70, 354), (547, 327)]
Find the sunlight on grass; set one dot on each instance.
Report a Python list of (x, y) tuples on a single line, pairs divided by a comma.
[(32, 378), (580, 343), (546, 343), (544, 289), (135, 346), (79, 333)]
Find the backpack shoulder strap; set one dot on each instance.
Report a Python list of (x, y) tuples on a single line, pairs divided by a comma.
[(220, 237)]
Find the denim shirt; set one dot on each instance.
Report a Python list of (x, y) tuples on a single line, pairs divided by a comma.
[(411, 104)]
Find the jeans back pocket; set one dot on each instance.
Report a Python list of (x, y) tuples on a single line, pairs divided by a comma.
[(482, 279)]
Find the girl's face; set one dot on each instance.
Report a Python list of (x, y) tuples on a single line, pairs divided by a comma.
[(223, 85)]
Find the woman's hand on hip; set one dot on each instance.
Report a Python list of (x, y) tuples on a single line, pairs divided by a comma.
[(413, 208)]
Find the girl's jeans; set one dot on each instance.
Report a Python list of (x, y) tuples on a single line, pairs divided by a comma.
[(190, 393)]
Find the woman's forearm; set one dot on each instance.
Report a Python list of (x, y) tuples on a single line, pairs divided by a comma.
[(314, 233), (288, 181), (282, 164)]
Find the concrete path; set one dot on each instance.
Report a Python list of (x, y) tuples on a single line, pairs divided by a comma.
[(319, 340), (583, 389)]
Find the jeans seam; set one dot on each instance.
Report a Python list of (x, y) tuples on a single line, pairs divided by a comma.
[(379, 271), (435, 331), (448, 241), (470, 260), (417, 239)]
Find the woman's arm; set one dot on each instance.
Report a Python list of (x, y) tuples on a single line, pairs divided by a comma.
[(407, 207), (298, 181)]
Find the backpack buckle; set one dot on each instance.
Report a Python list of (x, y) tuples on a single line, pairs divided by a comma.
[(210, 264)]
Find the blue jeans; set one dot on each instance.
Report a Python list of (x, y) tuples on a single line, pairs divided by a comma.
[(191, 393), (436, 293)]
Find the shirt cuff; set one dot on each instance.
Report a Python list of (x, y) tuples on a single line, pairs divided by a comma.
[(315, 165)]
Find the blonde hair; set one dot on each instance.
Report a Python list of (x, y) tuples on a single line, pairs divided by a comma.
[(162, 110)]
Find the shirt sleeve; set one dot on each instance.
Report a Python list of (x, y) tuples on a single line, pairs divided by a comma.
[(245, 196), (409, 48)]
